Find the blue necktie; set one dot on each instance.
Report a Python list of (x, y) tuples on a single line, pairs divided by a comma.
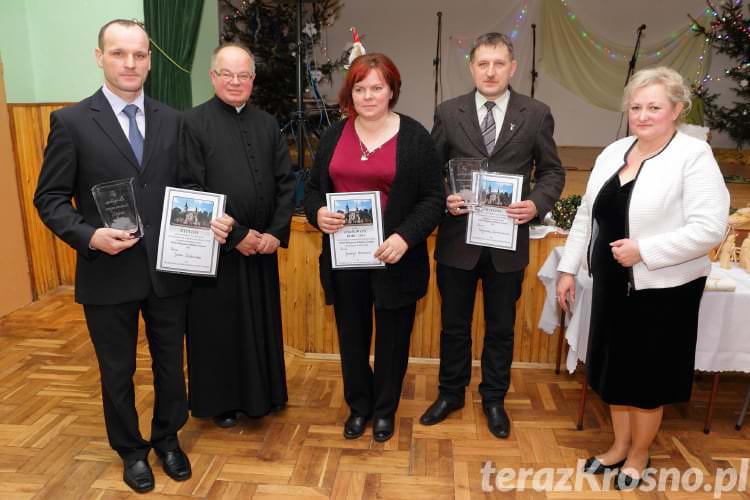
[(134, 135)]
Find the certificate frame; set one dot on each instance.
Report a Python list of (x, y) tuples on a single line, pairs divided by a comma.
[(490, 226), (186, 242), (353, 245)]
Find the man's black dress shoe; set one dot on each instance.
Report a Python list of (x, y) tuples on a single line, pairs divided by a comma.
[(226, 419), (175, 464), (382, 429), (438, 410), (138, 475), (497, 421), (594, 466), (624, 482), (355, 426)]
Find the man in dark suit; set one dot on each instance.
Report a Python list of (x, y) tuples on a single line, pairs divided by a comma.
[(118, 133), (514, 133)]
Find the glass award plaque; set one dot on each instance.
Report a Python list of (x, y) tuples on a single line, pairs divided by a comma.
[(461, 173), (115, 201)]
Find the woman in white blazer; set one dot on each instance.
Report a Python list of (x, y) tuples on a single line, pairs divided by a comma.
[(655, 204)]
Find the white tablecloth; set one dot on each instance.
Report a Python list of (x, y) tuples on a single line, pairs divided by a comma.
[(723, 321)]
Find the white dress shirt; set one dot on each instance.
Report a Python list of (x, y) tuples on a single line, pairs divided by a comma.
[(498, 112), (118, 104)]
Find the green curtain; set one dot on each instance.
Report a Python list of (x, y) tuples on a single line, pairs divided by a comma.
[(173, 28)]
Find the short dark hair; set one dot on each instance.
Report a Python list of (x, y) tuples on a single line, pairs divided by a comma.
[(359, 70), (128, 23), (239, 45), (492, 39)]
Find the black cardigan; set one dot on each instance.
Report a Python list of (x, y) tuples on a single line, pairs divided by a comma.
[(415, 207)]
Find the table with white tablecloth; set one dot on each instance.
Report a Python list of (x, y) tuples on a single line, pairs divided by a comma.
[(723, 321)]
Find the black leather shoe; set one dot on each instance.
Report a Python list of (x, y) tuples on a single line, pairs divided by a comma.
[(355, 426), (226, 419), (382, 429), (624, 482), (438, 410), (497, 421), (138, 475), (594, 466), (175, 464)]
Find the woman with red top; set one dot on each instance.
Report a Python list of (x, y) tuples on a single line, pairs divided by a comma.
[(376, 149)]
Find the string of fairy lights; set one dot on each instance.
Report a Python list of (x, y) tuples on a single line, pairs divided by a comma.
[(739, 25), (677, 37), (463, 44)]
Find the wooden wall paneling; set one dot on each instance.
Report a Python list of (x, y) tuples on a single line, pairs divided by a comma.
[(52, 261), (29, 145), (309, 325), (66, 256)]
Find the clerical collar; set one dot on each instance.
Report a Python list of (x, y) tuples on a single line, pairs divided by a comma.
[(234, 109)]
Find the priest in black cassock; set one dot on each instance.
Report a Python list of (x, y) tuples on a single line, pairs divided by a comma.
[(235, 349)]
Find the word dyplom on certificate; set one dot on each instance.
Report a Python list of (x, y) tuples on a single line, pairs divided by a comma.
[(490, 226), (186, 242), (353, 246)]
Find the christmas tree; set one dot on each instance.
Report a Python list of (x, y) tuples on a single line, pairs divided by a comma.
[(729, 33), (268, 28)]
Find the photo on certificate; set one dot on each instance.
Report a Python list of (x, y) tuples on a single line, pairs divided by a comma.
[(186, 242), (191, 212), (353, 246), (490, 226)]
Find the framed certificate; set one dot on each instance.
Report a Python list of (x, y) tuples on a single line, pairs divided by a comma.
[(186, 242), (490, 226), (353, 246)]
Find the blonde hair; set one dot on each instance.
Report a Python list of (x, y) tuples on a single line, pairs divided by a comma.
[(677, 91)]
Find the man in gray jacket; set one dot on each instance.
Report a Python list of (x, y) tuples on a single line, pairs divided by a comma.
[(514, 133)]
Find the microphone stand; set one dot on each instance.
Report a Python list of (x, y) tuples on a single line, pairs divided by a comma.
[(534, 73), (436, 61), (631, 65)]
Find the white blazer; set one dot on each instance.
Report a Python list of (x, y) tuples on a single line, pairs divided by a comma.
[(678, 211)]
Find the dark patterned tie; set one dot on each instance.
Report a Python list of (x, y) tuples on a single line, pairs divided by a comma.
[(134, 135), (488, 128)]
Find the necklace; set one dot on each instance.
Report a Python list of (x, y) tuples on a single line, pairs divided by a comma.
[(365, 152), (651, 153), (363, 149)]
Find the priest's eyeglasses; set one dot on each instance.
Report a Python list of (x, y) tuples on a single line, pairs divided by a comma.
[(228, 76)]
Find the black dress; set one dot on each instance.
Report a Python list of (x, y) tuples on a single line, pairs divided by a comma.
[(641, 348)]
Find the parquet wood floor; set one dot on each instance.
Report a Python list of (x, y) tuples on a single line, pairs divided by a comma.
[(53, 444)]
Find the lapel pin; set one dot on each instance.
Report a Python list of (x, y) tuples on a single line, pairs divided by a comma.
[(512, 126)]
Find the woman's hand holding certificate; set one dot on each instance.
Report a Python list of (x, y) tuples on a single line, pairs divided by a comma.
[(329, 222)]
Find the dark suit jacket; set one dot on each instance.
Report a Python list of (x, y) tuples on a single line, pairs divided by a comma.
[(528, 146), (87, 146)]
